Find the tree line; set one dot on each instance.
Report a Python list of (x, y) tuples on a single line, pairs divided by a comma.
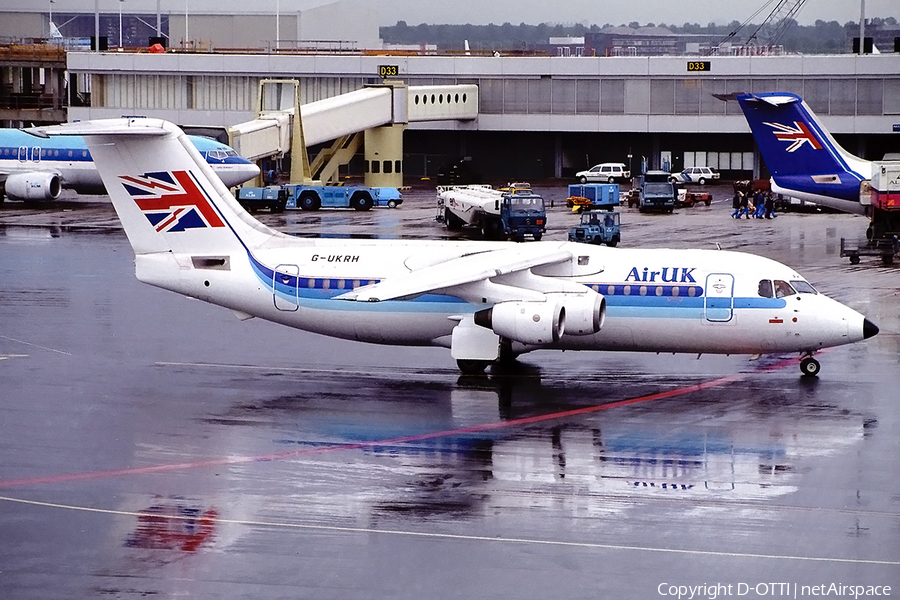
[(823, 37)]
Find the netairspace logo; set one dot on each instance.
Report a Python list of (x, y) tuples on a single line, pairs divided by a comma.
[(712, 591)]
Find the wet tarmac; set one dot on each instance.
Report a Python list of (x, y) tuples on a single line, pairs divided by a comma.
[(154, 446)]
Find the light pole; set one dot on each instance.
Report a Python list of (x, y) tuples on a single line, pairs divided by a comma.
[(862, 26), (121, 2)]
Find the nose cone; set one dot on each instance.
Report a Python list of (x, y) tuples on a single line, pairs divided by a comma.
[(869, 329), (247, 171), (235, 173)]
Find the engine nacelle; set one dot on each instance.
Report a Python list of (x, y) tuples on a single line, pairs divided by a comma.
[(33, 186), (533, 323), (585, 313)]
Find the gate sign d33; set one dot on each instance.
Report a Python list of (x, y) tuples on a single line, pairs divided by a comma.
[(388, 71)]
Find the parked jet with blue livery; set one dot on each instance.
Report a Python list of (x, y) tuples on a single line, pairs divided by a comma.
[(34, 169), (485, 301), (804, 159)]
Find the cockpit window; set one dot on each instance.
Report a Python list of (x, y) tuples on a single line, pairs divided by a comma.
[(803, 287), (765, 289), (783, 288)]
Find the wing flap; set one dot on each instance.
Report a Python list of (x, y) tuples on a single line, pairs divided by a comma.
[(457, 272)]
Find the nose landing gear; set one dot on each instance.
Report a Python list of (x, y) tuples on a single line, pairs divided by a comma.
[(809, 366)]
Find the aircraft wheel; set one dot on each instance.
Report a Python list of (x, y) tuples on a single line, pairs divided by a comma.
[(472, 367), (810, 367)]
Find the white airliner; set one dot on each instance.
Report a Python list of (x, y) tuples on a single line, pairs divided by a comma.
[(485, 301), (37, 169)]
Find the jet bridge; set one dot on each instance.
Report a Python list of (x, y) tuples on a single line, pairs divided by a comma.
[(376, 114)]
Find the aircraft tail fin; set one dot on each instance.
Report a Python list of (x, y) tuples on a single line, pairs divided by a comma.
[(166, 195), (799, 151)]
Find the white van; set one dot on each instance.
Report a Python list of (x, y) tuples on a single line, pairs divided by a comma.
[(604, 173)]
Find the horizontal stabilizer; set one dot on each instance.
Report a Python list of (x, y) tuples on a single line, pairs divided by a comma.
[(118, 127)]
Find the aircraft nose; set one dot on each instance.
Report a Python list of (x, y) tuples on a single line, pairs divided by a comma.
[(869, 329)]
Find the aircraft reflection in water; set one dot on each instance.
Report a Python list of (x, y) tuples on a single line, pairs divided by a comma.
[(173, 524), (508, 454)]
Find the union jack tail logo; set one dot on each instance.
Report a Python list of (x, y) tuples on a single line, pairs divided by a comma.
[(172, 201), (797, 136)]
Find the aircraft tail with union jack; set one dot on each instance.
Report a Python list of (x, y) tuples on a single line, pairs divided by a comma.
[(168, 198), (804, 159)]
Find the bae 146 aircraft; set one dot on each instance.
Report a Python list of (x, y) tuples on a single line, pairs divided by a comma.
[(37, 169), (485, 301)]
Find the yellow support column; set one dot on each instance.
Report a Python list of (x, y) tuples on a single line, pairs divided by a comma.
[(384, 156)]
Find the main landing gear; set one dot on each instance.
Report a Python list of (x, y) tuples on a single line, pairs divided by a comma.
[(809, 366)]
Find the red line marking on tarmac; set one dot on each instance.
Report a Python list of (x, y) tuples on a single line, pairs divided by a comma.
[(217, 462)]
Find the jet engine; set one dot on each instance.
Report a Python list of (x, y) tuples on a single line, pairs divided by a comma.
[(33, 186), (528, 322), (585, 313)]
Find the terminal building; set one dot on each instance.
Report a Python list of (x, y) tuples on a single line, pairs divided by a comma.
[(539, 116)]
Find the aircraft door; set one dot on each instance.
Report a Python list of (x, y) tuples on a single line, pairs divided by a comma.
[(719, 299), (23, 153), (286, 287)]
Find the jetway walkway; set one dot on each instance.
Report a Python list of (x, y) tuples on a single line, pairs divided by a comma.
[(377, 112)]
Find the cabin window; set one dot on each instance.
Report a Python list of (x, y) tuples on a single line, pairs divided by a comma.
[(765, 289), (803, 287), (583, 260), (783, 288)]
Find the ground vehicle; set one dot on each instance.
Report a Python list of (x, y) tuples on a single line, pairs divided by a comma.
[(593, 195), (514, 211), (688, 199), (597, 227), (314, 197), (657, 192), (695, 175), (604, 172), (885, 247), (273, 198)]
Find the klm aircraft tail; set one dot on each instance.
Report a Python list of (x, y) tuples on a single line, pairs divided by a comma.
[(166, 195), (804, 159)]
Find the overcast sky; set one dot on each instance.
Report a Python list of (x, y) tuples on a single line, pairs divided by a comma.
[(531, 12), (618, 11)]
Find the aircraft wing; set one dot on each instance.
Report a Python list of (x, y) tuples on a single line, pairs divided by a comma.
[(455, 275)]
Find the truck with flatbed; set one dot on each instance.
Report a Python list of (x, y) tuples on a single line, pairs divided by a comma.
[(314, 197), (511, 212)]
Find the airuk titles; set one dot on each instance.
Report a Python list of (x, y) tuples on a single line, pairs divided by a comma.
[(666, 274)]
